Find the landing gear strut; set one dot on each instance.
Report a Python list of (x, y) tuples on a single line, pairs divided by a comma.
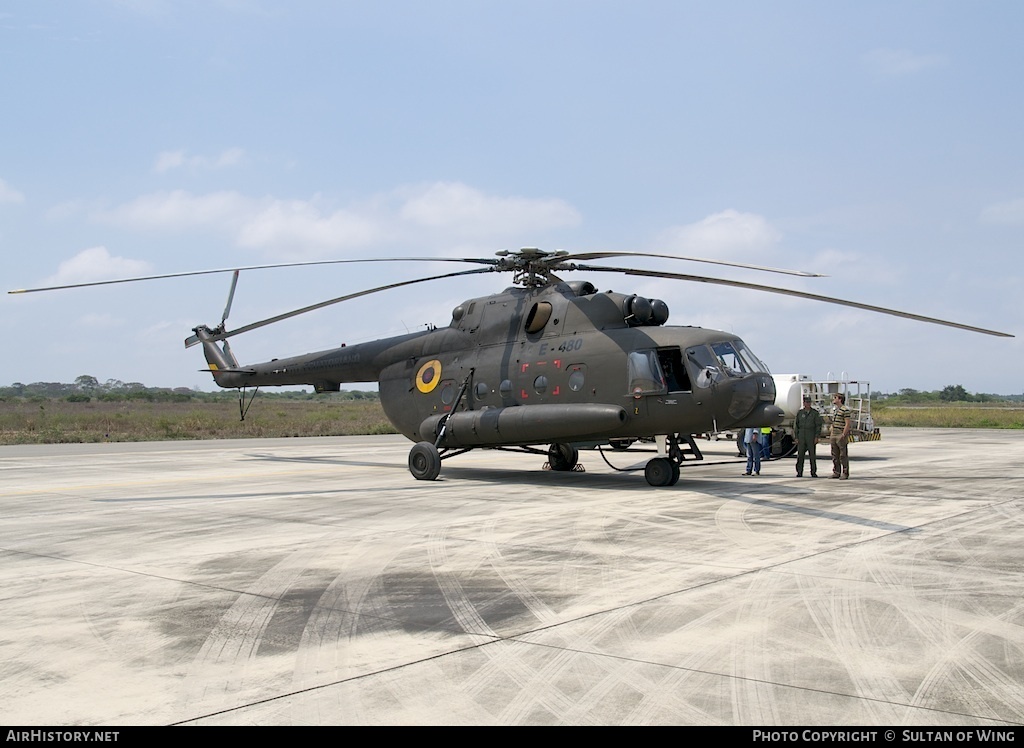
[(664, 471)]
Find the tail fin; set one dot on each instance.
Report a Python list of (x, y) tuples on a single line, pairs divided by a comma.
[(222, 361)]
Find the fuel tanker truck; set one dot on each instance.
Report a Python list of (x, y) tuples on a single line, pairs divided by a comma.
[(789, 393)]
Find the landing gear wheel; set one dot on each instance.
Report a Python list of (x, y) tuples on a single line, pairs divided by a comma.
[(563, 457), (675, 474), (659, 472), (620, 445), (424, 461), (786, 446)]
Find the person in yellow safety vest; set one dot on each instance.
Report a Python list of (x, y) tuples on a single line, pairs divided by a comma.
[(766, 442)]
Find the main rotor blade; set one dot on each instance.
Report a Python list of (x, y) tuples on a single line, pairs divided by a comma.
[(600, 255), (254, 267), (799, 295), (347, 297)]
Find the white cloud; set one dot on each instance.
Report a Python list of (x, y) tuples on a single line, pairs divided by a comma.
[(230, 157), (162, 211), (167, 160), (170, 160), (441, 212), (1009, 213), (297, 227), (728, 232), (95, 264), (98, 321), (464, 210), (9, 195), (900, 62), (836, 262)]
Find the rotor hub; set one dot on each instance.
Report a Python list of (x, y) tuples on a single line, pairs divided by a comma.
[(530, 266)]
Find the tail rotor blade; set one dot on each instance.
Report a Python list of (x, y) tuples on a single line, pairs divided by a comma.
[(231, 297)]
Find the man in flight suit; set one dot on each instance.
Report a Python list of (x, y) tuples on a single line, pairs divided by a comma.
[(808, 429), (839, 437)]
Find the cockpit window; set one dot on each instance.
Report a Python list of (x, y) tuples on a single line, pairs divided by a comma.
[(736, 359), (645, 374), (730, 359), (708, 367), (752, 361)]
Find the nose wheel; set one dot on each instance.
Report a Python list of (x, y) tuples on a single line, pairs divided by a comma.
[(424, 461)]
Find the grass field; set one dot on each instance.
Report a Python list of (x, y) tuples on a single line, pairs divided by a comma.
[(57, 421), (950, 415)]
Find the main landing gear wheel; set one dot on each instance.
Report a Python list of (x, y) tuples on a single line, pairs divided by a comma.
[(661, 471), (424, 461), (563, 457)]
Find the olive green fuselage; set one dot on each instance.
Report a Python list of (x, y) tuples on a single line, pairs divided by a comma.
[(582, 356)]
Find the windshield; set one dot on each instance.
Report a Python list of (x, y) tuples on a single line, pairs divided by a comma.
[(730, 359), (752, 361)]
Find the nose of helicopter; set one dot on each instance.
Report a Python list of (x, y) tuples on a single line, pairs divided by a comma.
[(753, 401)]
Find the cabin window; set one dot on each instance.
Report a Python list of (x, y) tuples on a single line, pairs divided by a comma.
[(538, 316), (577, 376), (540, 384), (481, 390), (448, 392), (645, 375)]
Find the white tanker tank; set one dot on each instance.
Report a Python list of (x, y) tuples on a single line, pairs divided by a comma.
[(789, 394)]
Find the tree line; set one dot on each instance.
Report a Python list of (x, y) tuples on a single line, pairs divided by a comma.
[(951, 393)]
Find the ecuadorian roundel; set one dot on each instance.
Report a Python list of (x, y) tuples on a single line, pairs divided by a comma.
[(428, 376)]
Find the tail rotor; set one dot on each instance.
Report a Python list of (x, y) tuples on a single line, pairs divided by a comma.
[(219, 358)]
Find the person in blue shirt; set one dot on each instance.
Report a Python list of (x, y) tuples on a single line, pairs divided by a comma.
[(752, 442)]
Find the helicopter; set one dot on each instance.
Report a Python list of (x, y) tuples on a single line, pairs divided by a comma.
[(545, 361)]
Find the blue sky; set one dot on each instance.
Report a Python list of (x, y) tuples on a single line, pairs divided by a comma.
[(879, 143)]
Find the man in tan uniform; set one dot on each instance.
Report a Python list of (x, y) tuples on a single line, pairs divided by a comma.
[(839, 437)]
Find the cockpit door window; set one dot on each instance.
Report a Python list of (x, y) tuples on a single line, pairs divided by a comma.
[(708, 367)]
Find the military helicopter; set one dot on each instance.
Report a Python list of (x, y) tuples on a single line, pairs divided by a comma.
[(543, 362)]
